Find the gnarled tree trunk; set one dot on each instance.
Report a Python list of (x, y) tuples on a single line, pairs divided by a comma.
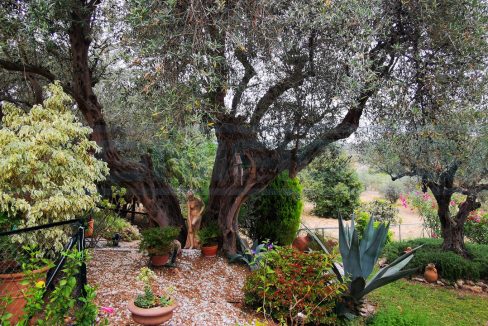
[(242, 167), (157, 197), (452, 227)]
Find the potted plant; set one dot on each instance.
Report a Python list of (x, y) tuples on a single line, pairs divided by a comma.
[(158, 243), (149, 308), (208, 237)]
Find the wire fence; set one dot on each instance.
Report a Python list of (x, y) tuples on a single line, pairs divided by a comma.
[(33, 261), (401, 232)]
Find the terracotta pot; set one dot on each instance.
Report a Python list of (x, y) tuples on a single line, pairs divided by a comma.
[(210, 251), (10, 286), (151, 316), (159, 260), (430, 273), (89, 230)]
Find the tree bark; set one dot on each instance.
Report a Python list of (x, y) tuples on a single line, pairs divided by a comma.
[(157, 197), (242, 167), (452, 227)]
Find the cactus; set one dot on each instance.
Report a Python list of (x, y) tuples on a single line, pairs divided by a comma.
[(359, 259)]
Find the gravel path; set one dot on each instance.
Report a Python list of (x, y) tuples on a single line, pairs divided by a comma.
[(207, 290)]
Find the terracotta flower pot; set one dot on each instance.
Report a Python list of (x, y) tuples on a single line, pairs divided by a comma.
[(151, 316), (10, 286), (159, 260), (210, 251), (430, 273), (89, 229)]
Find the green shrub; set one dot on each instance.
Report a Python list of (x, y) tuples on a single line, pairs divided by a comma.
[(158, 241), (392, 316), (209, 234), (381, 210), (332, 185), (108, 223), (391, 192), (290, 282), (362, 220), (476, 228), (274, 214), (449, 265)]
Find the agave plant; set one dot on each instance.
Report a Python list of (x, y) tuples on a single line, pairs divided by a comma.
[(359, 259)]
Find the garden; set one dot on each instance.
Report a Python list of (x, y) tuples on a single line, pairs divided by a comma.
[(243, 162)]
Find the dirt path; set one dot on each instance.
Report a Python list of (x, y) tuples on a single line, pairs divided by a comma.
[(410, 228)]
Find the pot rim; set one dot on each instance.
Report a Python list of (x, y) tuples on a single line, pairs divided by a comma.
[(22, 274), (210, 246), (150, 312)]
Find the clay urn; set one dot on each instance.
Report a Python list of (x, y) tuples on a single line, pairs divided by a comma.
[(430, 273)]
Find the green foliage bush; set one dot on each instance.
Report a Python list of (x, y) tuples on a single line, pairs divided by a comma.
[(290, 282), (48, 170), (476, 227), (381, 210), (209, 234), (158, 241), (389, 316), (362, 220), (332, 185), (449, 265), (107, 223), (61, 306), (274, 214)]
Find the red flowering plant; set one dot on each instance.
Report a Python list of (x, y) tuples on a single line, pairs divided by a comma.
[(476, 227), (292, 285)]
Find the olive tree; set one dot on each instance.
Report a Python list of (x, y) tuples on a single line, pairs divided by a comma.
[(435, 121), (280, 80), (72, 42)]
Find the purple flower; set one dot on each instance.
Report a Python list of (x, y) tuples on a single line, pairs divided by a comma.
[(270, 246), (253, 252)]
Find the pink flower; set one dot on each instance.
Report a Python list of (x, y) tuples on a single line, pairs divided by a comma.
[(404, 201), (426, 196), (433, 235), (108, 310), (452, 203)]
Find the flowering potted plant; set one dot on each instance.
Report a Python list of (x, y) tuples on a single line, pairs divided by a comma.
[(158, 243), (208, 237), (148, 308)]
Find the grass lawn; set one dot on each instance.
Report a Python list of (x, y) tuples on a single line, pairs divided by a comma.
[(436, 306)]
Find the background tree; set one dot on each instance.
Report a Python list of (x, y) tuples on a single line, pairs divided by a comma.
[(435, 125), (71, 41), (331, 183)]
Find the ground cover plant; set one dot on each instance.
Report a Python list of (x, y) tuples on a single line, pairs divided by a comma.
[(449, 265), (417, 304)]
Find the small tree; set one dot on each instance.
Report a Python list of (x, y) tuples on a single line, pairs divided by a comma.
[(49, 171), (274, 214), (332, 185)]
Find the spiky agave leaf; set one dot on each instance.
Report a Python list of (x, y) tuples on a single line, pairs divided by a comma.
[(359, 259)]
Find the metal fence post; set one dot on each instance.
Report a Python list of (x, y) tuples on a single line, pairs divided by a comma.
[(81, 249)]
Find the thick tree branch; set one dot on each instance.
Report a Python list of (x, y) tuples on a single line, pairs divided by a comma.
[(27, 68), (275, 91), (249, 73)]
